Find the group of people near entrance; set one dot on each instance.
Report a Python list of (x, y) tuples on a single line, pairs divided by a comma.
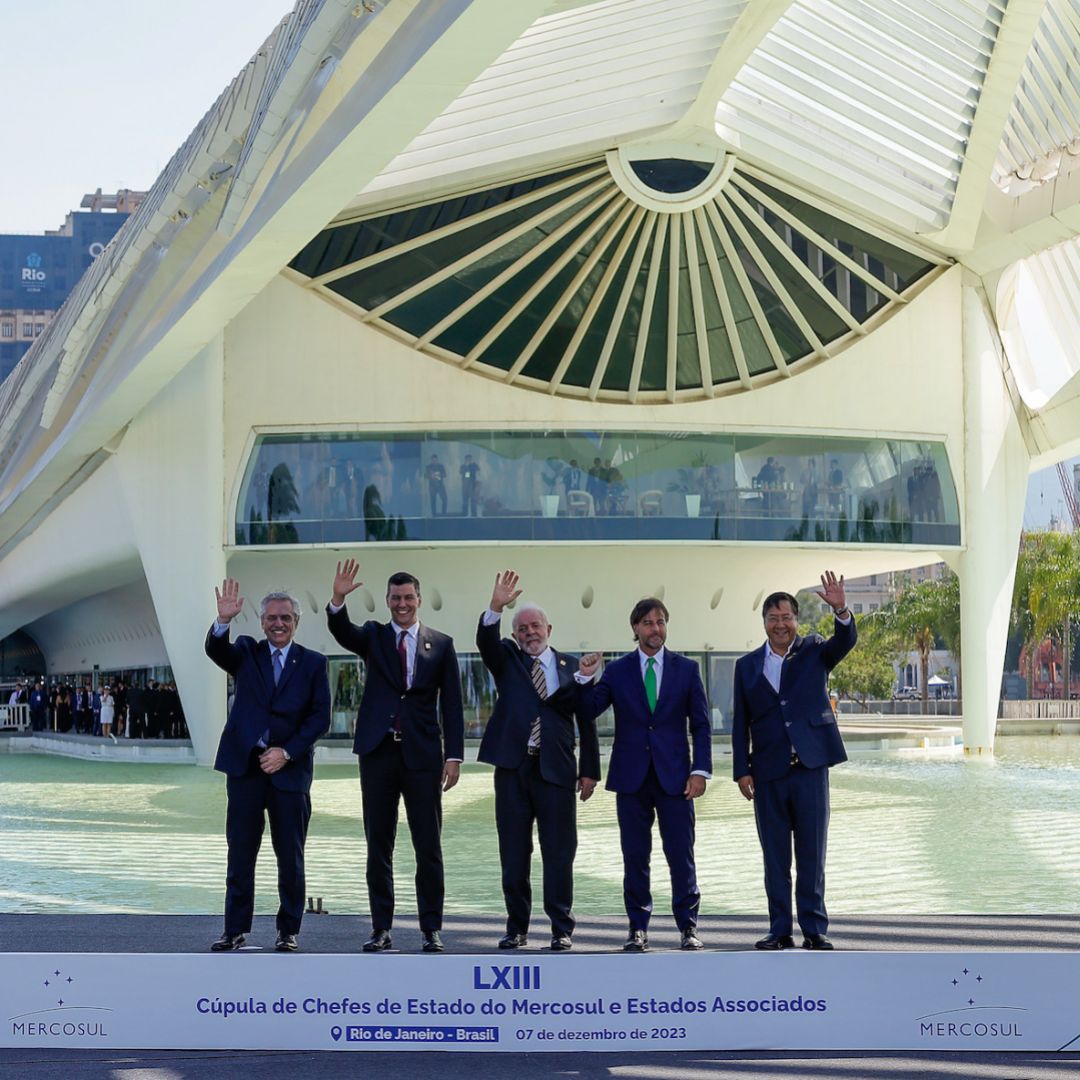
[(542, 741)]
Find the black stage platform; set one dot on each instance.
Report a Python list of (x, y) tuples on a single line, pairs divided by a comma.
[(123, 933)]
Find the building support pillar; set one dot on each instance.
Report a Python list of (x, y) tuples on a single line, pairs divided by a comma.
[(996, 470), (171, 460)]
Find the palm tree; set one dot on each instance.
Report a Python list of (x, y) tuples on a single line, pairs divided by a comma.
[(919, 615)]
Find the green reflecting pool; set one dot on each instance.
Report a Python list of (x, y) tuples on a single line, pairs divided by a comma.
[(908, 834)]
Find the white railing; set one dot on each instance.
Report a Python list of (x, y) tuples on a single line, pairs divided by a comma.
[(15, 716), (1040, 710)]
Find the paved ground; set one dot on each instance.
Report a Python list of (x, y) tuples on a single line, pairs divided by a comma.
[(343, 934)]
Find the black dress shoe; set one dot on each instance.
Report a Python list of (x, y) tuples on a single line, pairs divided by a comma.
[(817, 941), (228, 942), (775, 942), (379, 941), (514, 941), (690, 940), (561, 942), (636, 941), (286, 943), (432, 941)]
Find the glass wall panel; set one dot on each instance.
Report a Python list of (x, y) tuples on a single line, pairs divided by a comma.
[(595, 485)]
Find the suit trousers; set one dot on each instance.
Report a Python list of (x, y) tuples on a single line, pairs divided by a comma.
[(636, 812), (251, 798), (384, 782), (796, 806), (523, 796)]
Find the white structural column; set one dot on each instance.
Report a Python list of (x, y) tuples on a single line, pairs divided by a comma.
[(171, 462), (996, 471)]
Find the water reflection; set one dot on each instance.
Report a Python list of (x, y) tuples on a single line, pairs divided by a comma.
[(908, 835)]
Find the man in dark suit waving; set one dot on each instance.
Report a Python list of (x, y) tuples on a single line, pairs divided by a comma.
[(530, 741), (412, 684), (658, 698), (783, 741), (281, 706)]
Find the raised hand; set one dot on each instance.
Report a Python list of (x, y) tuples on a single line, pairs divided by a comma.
[(505, 591), (589, 664), (345, 581), (832, 590), (229, 600)]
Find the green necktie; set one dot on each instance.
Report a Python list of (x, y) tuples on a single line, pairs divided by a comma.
[(650, 683)]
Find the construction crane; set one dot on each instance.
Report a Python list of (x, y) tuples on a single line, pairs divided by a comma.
[(1069, 492)]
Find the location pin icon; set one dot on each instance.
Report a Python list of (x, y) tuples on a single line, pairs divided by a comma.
[(335, 1033)]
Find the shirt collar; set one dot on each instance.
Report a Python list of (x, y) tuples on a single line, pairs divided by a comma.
[(412, 631), (659, 658), (284, 651)]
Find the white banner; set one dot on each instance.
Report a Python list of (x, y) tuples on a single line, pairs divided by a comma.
[(536, 1002)]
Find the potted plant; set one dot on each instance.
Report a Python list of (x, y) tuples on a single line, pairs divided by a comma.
[(690, 483), (549, 502)]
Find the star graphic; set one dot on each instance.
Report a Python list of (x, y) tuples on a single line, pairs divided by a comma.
[(70, 979), (956, 982), (46, 982), (60, 1002), (978, 978), (966, 972), (971, 1001), (56, 973)]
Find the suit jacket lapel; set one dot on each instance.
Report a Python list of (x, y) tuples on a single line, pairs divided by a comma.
[(758, 669), (265, 665), (292, 660), (423, 655)]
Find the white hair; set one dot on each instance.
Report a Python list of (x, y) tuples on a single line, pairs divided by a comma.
[(530, 607), (273, 597)]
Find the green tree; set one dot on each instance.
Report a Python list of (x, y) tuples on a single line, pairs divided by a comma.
[(1050, 581), (919, 615), (866, 673)]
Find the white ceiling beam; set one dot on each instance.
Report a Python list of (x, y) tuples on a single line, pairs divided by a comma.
[(998, 91), (757, 19)]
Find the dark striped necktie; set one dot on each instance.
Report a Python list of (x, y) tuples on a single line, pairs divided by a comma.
[(539, 680)]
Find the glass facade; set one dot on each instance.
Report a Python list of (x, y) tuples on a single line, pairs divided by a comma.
[(478, 692), (354, 487)]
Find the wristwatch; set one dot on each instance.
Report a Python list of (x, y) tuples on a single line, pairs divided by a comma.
[(844, 611), (288, 756)]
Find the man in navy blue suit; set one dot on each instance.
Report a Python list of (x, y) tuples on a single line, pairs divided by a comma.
[(410, 739), (530, 741), (655, 772), (783, 742), (280, 707)]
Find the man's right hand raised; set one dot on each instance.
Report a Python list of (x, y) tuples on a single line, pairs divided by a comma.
[(505, 591), (229, 600), (345, 581)]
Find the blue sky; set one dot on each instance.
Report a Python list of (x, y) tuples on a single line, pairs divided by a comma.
[(101, 95)]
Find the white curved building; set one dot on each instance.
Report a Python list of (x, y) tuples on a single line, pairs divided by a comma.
[(696, 298)]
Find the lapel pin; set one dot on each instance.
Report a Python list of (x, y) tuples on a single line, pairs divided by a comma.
[(562, 663), (427, 644)]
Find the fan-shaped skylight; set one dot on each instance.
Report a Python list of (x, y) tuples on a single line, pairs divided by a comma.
[(576, 284)]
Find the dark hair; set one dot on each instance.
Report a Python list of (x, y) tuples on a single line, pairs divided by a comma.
[(643, 607), (403, 577), (774, 600)]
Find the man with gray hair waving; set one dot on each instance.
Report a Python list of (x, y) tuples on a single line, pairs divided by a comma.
[(530, 741), (281, 706)]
